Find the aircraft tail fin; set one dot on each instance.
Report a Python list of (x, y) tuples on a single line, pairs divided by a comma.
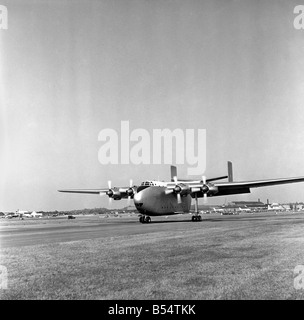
[(173, 172), (230, 173)]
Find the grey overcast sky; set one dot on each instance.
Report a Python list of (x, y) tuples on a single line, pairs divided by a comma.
[(69, 69)]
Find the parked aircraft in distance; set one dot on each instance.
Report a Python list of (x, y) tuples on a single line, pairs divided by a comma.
[(157, 198), (218, 210), (275, 207), (35, 214), (27, 214), (244, 209)]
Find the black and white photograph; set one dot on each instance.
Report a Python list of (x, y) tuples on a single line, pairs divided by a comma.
[(151, 151)]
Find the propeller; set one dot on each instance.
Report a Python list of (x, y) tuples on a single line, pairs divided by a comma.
[(110, 193), (119, 193), (176, 189), (179, 198), (179, 189), (130, 192), (205, 198), (168, 191), (205, 189)]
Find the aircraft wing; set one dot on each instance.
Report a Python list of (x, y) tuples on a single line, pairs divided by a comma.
[(226, 188), (258, 183), (116, 193), (85, 191)]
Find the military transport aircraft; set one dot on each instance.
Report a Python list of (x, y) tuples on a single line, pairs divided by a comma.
[(157, 198)]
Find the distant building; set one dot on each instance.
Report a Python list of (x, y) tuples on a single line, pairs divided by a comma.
[(249, 204)]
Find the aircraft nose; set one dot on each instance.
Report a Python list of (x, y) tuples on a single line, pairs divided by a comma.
[(137, 197), (138, 201)]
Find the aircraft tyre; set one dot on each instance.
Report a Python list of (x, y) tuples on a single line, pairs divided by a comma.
[(145, 219), (196, 218)]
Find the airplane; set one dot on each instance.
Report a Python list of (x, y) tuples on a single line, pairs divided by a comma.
[(27, 215), (158, 198), (275, 207), (218, 210), (34, 214)]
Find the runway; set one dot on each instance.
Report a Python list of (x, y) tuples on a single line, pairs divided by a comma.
[(246, 256), (16, 233)]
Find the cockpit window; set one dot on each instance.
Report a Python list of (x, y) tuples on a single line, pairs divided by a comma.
[(146, 183)]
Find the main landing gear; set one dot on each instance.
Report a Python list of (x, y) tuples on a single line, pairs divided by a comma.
[(196, 216), (144, 219)]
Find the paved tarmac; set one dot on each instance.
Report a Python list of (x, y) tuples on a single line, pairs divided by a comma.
[(16, 233)]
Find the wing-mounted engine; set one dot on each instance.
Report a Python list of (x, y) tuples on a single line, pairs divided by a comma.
[(179, 188), (199, 188), (120, 193), (206, 189), (114, 193)]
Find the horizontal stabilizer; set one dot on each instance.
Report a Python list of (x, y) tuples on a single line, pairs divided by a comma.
[(218, 178)]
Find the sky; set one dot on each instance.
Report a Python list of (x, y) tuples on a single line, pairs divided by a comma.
[(70, 69)]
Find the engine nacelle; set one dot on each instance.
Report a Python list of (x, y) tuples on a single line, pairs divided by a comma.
[(212, 190), (114, 193), (206, 189), (130, 192), (182, 189)]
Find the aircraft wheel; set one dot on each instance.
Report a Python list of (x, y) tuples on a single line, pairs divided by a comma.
[(196, 218), (147, 219), (141, 219)]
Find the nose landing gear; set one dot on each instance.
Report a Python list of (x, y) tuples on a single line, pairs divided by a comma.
[(144, 219)]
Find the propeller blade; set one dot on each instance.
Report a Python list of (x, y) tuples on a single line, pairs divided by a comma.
[(131, 183), (110, 202), (204, 179), (205, 198), (175, 179), (109, 184), (168, 191), (102, 194), (179, 198)]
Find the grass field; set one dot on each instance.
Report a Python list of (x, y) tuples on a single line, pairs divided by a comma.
[(242, 259)]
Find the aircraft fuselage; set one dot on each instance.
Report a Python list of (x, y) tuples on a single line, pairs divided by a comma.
[(153, 201)]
